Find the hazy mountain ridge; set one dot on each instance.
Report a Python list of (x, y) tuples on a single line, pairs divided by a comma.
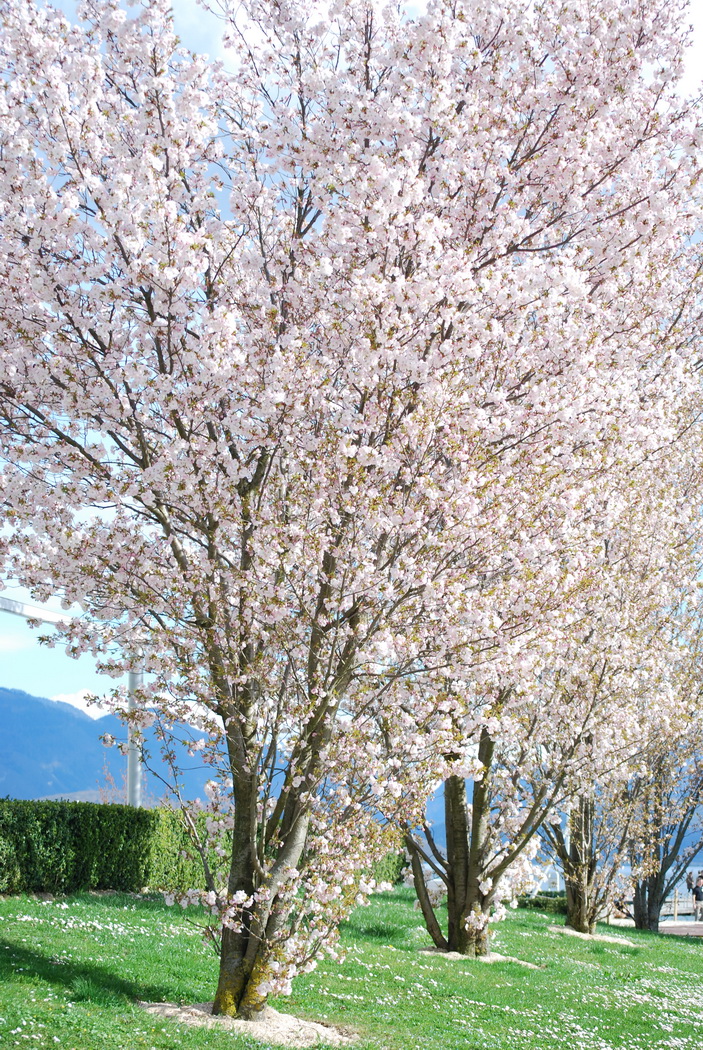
[(49, 748)]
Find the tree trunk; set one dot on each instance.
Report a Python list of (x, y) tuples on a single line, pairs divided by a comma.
[(578, 906), (648, 900), (433, 927), (249, 955), (653, 913), (468, 907), (237, 953), (235, 971), (475, 937), (639, 905), (580, 869), (243, 973), (649, 890), (457, 831), (475, 933)]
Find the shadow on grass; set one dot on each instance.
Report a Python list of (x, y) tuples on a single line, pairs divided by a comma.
[(386, 920), (382, 932), (82, 980), (677, 938)]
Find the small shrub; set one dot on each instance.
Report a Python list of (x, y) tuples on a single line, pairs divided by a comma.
[(390, 868)]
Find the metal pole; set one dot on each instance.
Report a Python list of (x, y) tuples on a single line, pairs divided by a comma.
[(134, 769), (134, 766)]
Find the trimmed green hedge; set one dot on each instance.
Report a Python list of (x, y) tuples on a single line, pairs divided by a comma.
[(61, 847), (550, 901)]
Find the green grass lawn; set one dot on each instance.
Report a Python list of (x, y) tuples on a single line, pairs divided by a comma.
[(71, 971)]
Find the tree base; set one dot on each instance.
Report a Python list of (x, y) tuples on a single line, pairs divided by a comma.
[(274, 1028)]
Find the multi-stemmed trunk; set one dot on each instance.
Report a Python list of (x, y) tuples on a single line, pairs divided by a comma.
[(248, 954), (264, 850), (669, 803), (235, 989), (263, 853), (579, 907), (577, 857), (468, 906), (480, 848), (656, 855)]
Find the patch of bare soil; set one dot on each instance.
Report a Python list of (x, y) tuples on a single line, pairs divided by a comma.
[(492, 957), (282, 1029), (591, 936)]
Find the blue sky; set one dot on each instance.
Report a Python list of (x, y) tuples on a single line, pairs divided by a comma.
[(24, 663)]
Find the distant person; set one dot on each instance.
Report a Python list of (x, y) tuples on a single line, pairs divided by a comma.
[(621, 909), (698, 900), (689, 881)]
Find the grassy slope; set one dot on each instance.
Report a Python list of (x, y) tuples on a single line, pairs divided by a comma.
[(71, 970)]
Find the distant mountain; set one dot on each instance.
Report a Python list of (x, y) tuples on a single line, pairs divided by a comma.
[(49, 748)]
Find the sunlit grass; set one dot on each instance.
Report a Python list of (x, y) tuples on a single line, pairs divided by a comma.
[(72, 971)]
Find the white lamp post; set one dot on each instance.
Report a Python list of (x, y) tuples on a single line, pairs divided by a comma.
[(134, 769), (134, 766), (29, 612)]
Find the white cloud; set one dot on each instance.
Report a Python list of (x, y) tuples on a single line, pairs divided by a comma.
[(14, 643), (79, 700), (199, 29)]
